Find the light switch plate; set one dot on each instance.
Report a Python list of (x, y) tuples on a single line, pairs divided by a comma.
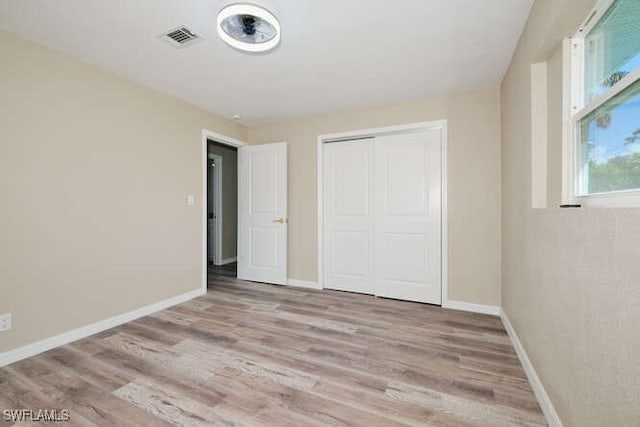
[(190, 200), (5, 322)]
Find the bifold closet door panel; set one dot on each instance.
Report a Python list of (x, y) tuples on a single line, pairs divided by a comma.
[(348, 216), (408, 198)]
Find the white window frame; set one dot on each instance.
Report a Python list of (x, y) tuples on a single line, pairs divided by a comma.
[(575, 109)]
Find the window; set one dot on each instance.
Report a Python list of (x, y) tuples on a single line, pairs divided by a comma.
[(605, 106)]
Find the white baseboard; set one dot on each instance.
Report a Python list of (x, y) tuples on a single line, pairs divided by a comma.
[(303, 284), (538, 389), (474, 308), (227, 261), (29, 350)]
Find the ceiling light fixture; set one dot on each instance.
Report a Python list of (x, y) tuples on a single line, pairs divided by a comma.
[(248, 27)]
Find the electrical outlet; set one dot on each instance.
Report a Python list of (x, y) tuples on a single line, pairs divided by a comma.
[(5, 322)]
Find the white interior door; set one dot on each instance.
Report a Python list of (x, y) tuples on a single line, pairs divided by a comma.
[(408, 206), (262, 228), (383, 216), (348, 216)]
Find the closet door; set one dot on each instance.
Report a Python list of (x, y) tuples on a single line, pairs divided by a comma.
[(348, 216), (408, 198)]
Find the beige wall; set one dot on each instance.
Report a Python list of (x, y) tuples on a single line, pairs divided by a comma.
[(229, 198), (474, 183), (570, 277), (94, 176)]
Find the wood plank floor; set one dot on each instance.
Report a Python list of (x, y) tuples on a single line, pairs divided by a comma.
[(255, 354)]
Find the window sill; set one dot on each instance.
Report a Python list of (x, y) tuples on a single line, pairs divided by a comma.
[(614, 199)]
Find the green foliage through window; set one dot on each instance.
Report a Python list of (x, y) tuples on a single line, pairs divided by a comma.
[(622, 172)]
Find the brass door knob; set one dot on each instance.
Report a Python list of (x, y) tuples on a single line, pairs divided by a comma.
[(281, 220)]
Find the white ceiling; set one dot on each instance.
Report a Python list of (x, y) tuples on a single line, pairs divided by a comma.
[(334, 54)]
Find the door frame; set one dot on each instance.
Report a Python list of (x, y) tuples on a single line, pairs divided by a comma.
[(204, 160), (217, 208), (373, 132)]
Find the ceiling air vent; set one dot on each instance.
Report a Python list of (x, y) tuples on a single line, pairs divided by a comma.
[(181, 36)]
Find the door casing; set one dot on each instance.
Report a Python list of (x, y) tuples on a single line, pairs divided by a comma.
[(216, 193)]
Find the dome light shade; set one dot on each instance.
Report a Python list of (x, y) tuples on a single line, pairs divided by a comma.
[(248, 27)]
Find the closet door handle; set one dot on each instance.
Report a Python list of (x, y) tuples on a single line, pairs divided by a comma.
[(281, 220)]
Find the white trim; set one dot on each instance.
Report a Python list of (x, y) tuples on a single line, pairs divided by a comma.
[(364, 133), (592, 18), (576, 86), (38, 347), (217, 208), (493, 310), (539, 135), (619, 87), (303, 284), (228, 260), (444, 215), (320, 195), (373, 132), (613, 199), (222, 139), (567, 136), (538, 389), (205, 184)]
